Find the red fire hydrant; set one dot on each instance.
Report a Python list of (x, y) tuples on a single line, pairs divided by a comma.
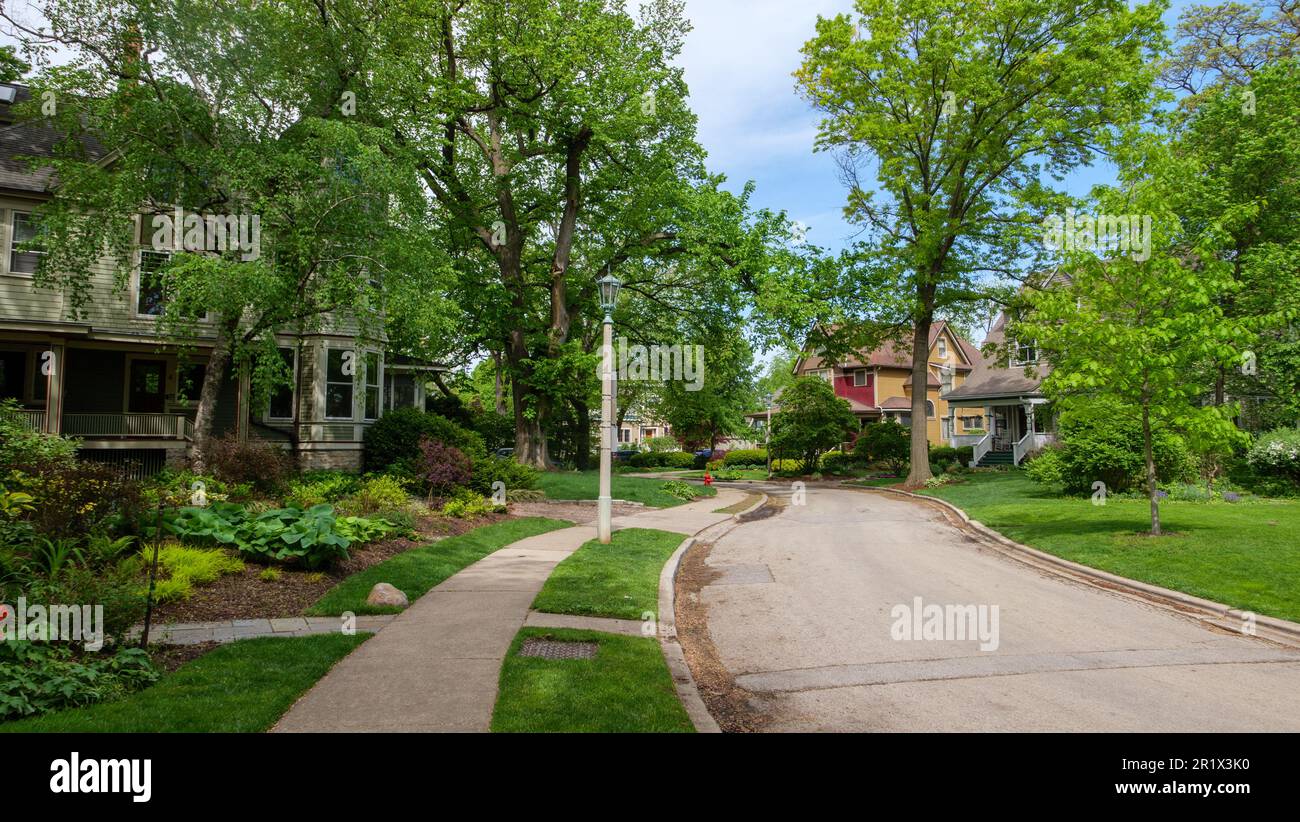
[(708, 479)]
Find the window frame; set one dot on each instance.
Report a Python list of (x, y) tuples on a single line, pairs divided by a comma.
[(367, 386), (293, 387), (864, 375), (350, 381), (11, 226), (138, 291)]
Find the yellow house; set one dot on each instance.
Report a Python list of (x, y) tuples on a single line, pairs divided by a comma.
[(878, 384)]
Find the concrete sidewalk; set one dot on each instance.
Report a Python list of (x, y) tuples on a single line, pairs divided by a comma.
[(435, 667)]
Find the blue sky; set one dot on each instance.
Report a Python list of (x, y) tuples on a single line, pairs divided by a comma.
[(738, 61)]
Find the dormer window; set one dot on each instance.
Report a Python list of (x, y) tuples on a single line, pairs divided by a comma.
[(1026, 353), (861, 377), (943, 349)]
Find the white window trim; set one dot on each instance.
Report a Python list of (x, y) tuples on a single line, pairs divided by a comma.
[(137, 280), (378, 385), (325, 383), (860, 374), (9, 215), (1015, 360), (930, 409)]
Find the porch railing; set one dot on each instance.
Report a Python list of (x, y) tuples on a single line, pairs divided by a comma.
[(981, 448), (131, 426), (1022, 447), (34, 418)]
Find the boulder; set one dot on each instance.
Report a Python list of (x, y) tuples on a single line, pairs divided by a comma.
[(385, 594)]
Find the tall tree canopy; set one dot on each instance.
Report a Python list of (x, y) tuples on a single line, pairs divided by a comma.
[(962, 111)]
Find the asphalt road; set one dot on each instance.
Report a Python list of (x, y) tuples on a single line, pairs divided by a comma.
[(806, 612)]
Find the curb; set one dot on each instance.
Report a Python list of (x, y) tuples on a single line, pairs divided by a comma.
[(1223, 616), (687, 691)]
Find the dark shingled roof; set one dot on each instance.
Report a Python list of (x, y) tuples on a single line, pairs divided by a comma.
[(992, 380), (892, 355), (29, 139)]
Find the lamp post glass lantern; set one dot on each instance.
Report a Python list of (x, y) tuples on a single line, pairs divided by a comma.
[(609, 286)]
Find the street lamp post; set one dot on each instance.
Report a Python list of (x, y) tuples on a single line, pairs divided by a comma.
[(609, 286)]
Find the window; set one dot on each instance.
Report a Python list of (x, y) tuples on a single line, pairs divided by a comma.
[(281, 405), (929, 409), (340, 368), (824, 373), (1026, 353), (189, 382), (625, 435), (13, 374), (24, 228), (372, 385), (972, 423), (149, 298), (399, 390), (943, 349), (861, 377), (647, 433)]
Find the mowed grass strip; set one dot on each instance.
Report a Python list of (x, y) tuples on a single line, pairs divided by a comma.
[(586, 485), (1245, 555), (243, 687), (625, 688), (415, 572), (619, 580)]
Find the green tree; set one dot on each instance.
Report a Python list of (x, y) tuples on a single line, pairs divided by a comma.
[(12, 67), (556, 141), (1127, 330), (702, 415), (963, 111), (1223, 46), (811, 420), (231, 109)]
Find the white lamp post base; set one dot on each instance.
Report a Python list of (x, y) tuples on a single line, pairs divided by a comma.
[(604, 524)]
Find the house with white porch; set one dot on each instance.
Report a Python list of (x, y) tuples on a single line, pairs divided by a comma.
[(1000, 409)]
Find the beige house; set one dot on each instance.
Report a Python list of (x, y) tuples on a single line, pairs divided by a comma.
[(108, 378)]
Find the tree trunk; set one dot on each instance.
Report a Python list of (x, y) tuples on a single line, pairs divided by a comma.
[(530, 437), (1151, 471), (500, 384), (920, 470), (582, 424), (205, 413)]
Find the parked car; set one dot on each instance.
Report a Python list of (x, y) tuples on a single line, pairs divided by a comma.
[(707, 453), (625, 455), (505, 452)]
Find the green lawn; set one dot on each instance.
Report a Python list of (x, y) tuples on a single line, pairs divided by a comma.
[(619, 580), (415, 572), (242, 687), (586, 485), (625, 688), (1246, 554), (742, 473), (877, 482)]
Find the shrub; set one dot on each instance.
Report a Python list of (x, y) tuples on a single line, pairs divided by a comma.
[(27, 451), (664, 444), (746, 457), (1047, 467), (680, 490), (662, 459), (489, 469), (835, 462), (1277, 454), (1103, 443), (263, 465), (393, 441), (75, 499), (524, 495), (942, 454), (116, 587), (360, 530), (37, 677), (319, 487), (377, 493), (885, 442), (468, 505), (444, 468), (966, 454)]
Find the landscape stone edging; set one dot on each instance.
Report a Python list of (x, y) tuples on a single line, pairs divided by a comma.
[(683, 679), (586, 502), (1280, 630)]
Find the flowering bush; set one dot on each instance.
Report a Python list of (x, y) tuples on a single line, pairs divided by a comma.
[(261, 464), (1277, 454), (444, 468)]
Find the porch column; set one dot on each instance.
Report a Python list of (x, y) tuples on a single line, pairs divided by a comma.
[(952, 425), (52, 363), (241, 405), (988, 420), (1029, 418)]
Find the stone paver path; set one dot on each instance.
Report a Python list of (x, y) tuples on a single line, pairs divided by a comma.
[(228, 630), (435, 667)]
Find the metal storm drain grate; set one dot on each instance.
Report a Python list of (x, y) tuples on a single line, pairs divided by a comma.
[(552, 649)]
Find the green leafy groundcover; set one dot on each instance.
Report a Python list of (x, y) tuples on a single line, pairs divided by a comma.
[(36, 677), (243, 687), (314, 537)]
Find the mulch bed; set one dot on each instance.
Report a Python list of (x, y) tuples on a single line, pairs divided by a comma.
[(246, 596), (170, 657)]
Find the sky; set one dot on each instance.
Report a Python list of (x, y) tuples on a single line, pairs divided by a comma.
[(739, 60)]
